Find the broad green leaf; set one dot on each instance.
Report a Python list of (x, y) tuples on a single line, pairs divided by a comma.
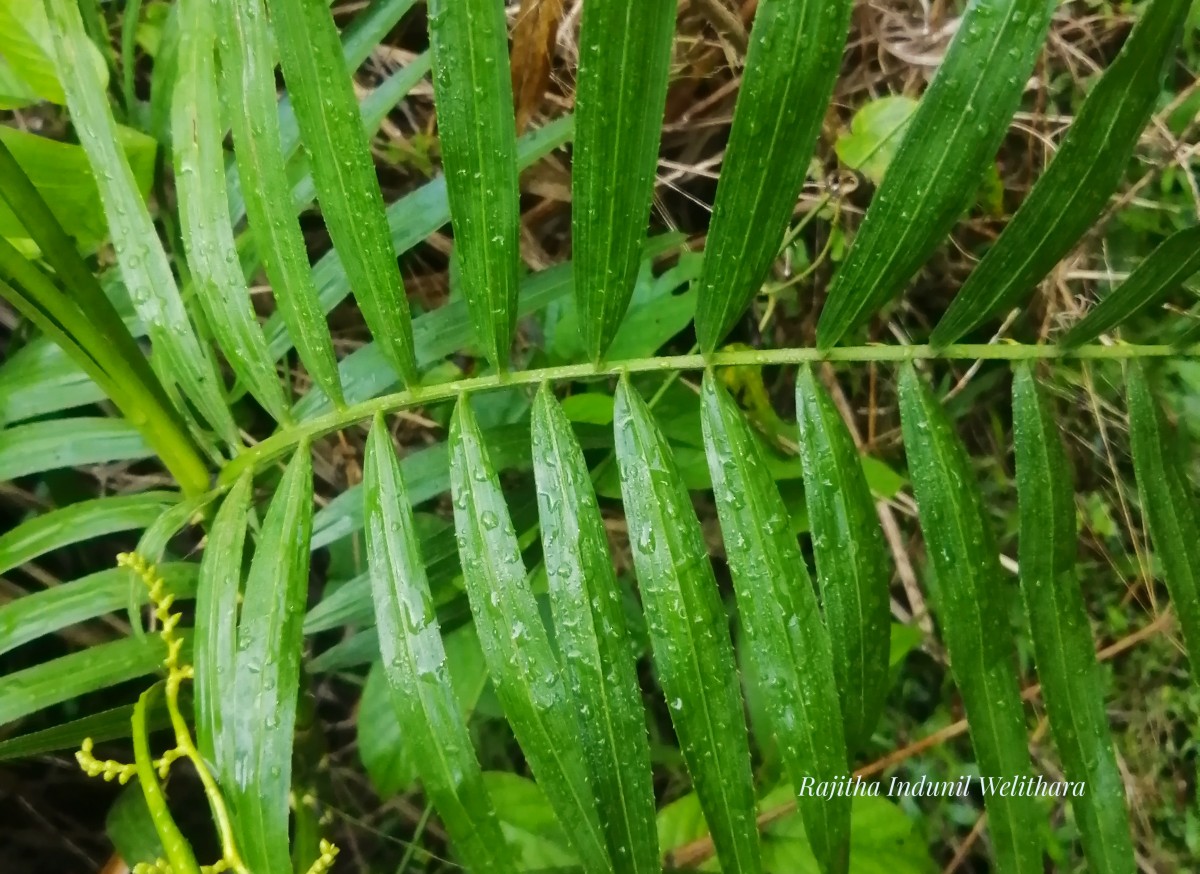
[(591, 408), (27, 46), (974, 617), (98, 667), (524, 669), (414, 660), (941, 161), (875, 133), (1089, 164), (15, 92), (852, 561), (52, 444), (624, 62), (883, 838), (1162, 273), (218, 283), (535, 837), (261, 717), (78, 522), (794, 57), (689, 630), (384, 748), (179, 357), (1062, 637), (660, 307), (592, 639), (216, 621), (247, 61), (131, 829), (41, 378), (67, 604), (1160, 464), (778, 609), (106, 725), (473, 94), (63, 176), (344, 172)]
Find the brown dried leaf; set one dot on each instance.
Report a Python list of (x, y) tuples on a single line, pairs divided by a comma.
[(532, 53)]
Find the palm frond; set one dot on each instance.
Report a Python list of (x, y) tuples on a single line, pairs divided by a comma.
[(531, 570)]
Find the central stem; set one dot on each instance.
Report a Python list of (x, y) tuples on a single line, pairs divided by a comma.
[(280, 443)]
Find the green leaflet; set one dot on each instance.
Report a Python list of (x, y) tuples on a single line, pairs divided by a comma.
[(1168, 505), (62, 175), (624, 62), (366, 374), (414, 660), (41, 378), (778, 610), (102, 726), (973, 613), (1163, 271), (935, 174), (359, 39), (473, 94), (89, 670), (78, 522), (855, 580), (152, 545), (1089, 164), (374, 109), (218, 283), (62, 606), (216, 619), (88, 329), (411, 219), (1062, 636), (260, 720), (343, 170), (179, 357), (592, 637), (794, 57), (27, 46), (689, 631), (244, 41), (56, 443), (518, 653)]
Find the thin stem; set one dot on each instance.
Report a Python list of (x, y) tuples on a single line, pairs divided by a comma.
[(284, 441)]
